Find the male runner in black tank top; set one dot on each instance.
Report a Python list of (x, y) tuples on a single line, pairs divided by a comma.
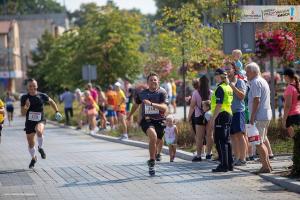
[(32, 105)]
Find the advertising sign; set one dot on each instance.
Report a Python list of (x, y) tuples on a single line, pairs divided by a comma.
[(270, 13)]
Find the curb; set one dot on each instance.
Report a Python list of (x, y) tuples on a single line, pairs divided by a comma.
[(286, 183)]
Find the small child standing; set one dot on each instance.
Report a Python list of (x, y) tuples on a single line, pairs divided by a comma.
[(209, 132), (239, 69), (171, 132)]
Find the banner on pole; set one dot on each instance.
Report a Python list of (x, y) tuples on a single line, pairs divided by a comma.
[(270, 13)]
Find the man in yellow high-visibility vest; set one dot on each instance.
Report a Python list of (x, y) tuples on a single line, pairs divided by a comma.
[(221, 120)]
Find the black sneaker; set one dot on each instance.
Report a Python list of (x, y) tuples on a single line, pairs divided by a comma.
[(251, 158), (158, 157), (197, 159), (271, 157), (32, 163), (219, 169), (42, 152), (151, 165), (208, 157)]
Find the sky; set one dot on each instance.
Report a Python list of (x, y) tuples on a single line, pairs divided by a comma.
[(145, 6)]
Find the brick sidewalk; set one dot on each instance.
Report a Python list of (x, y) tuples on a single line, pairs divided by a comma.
[(81, 167)]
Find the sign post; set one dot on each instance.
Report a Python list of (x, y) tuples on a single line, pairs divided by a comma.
[(89, 73), (239, 36)]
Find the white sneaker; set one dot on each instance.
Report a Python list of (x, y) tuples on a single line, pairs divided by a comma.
[(93, 132), (124, 137)]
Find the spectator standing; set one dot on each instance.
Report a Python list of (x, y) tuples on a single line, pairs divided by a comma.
[(260, 111), (121, 109), (221, 120), (291, 116), (79, 99), (101, 103), (90, 111), (68, 98), (9, 103), (238, 117), (111, 105), (171, 133), (2, 114), (92, 91), (198, 96), (174, 95)]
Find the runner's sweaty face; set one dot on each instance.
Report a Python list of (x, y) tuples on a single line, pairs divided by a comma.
[(153, 83), (32, 87)]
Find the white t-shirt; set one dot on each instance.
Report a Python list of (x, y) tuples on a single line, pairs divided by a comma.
[(170, 135), (207, 115)]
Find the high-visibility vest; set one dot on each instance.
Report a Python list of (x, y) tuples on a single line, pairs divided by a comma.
[(228, 97)]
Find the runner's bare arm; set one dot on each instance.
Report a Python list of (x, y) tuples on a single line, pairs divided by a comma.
[(25, 108), (255, 105), (191, 110), (2, 111), (287, 107), (53, 105)]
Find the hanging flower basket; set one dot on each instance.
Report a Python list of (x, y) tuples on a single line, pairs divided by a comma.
[(278, 43)]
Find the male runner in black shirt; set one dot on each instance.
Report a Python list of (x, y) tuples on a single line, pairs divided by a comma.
[(32, 105), (154, 101)]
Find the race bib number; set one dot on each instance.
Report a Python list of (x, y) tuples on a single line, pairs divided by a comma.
[(35, 116), (150, 110), (9, 103)]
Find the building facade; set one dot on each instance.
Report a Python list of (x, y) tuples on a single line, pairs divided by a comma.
[(30, 30)]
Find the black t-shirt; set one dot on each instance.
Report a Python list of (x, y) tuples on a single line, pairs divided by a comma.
[(36, 109), (219, 95), (158, 96)]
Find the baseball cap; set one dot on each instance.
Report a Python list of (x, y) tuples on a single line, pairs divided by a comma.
[(118, 84), (220, 71)]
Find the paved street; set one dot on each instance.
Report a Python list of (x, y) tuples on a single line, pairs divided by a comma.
[(81, 167)]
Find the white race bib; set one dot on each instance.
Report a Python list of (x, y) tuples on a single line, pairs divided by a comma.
[(150, 110), (9, 103), (35, 116)]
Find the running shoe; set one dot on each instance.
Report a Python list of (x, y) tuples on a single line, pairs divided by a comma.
[(208, 156), (151, 165), (197, 159), (158, 157), (32, 163), (219, 169), (271, 157), (124, 137), (240, 163), (42, 152)]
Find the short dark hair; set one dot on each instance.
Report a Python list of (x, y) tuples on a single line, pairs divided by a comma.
[(151, 74), (31, 80), (66, 89)]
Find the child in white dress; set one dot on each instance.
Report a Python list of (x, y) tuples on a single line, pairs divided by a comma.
[(171, 132)]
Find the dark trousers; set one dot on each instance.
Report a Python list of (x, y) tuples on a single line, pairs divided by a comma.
[(222, 140), (68, 114)]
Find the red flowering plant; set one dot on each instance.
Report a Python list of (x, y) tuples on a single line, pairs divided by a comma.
[(160, 65), (277, 43)]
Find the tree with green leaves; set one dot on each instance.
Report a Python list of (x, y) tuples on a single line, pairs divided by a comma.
[(21, 7), (110, 40)]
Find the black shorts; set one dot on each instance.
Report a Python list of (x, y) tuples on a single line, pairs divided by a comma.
[(158, 125), (30, 126), (292, 120), (200, 120), (102, 108), (10, 109)]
